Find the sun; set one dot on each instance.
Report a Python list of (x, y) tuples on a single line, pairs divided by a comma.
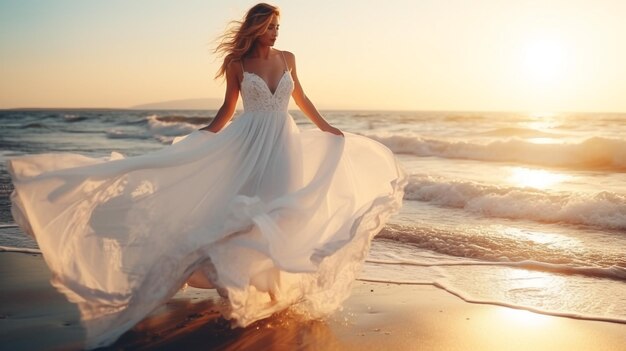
[(545, 68), (544, 60)]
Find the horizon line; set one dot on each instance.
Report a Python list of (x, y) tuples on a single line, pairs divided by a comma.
[(296, 109)]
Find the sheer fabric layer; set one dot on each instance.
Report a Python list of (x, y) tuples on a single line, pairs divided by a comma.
[(259, 208)]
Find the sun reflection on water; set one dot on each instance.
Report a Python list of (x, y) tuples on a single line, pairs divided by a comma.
[(542, 115), (550, 240), (535, 178), (544, 140), (543, 121), (523, 317)]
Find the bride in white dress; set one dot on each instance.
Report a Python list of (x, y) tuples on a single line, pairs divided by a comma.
[(270, 215)]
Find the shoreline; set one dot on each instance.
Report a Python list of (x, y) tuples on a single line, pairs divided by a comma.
[(439, 286), (34, 316), (470, 300)]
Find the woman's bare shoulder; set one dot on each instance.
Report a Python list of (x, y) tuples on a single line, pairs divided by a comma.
[(290, 57), (234, 63), (234, 66), (288, 54)]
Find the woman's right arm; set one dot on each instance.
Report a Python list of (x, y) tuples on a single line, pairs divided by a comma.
[(226, 112), (303, 101)]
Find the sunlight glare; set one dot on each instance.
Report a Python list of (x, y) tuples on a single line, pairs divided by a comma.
[(535, 178), (544, 140), (524, 317), (555, 240), (542, 115), (544, 60), (543, 121)]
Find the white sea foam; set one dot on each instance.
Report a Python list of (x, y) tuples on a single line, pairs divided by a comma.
[(8, 225), (520, 285), (19, 249), (167, 140), (73, 118), (124, 134), (497, 246), (468, 298), (602, 209), (519, 132), (169, 127), (592, 153), (612, 272)]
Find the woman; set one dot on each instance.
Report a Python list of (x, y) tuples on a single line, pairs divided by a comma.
[(271, 216), (252, 41)]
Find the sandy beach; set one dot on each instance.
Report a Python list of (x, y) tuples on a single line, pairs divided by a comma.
[(34, 316)]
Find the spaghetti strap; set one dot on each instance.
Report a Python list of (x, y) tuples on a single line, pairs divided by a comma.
[(241, 62), (284, 59)]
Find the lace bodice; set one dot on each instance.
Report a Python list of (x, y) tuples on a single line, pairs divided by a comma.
[(257, 96)]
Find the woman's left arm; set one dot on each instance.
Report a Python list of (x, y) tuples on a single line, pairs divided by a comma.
[(303, 102)]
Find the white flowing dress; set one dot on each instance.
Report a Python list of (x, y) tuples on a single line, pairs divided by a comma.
[(260, 207)]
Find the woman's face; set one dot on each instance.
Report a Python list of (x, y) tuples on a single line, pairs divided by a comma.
[(269, 37)]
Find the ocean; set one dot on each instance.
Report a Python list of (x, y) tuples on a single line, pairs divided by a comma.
[(515, 209)]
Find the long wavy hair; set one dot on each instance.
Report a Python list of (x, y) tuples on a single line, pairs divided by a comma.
[(239, 39)]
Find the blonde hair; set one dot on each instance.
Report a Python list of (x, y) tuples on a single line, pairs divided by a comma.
[(239, 39)]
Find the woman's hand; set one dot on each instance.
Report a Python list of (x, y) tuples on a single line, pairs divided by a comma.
[(332, 130)]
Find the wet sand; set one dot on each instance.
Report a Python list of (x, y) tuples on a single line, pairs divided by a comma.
[(377, 316)]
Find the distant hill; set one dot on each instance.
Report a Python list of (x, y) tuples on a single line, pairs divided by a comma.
[(184, 104), (191, 104), (94, 109)]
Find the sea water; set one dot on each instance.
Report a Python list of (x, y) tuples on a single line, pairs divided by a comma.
[(516, 209)]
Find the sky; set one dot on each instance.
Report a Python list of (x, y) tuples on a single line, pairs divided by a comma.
[(453, 55)]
